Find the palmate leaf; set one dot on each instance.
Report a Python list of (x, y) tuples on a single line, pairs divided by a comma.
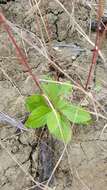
[(59, 123), (38, 117), (75, 114), (34, 101), (59, 127)]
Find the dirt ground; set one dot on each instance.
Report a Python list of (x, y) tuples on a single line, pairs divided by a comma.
[(84, 163)]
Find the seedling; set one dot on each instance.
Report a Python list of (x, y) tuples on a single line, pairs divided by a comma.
[(57, 113)]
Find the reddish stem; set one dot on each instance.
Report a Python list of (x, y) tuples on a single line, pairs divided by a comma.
[(94, 59), (97, 44), (20, 55)]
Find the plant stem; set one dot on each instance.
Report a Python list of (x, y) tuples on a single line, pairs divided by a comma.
[(97, 43), (21, 57), (94, 59)]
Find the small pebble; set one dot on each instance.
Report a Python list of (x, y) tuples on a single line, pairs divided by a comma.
[(14, 149)]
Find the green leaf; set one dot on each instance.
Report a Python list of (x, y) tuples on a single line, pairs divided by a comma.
[(32, 102), (66, 89), (55, 90), (59, 127), (76, 114), (62, 103), (38, 117), (51, 90)]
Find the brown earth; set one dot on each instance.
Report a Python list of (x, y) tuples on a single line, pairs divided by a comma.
[(84, 166)]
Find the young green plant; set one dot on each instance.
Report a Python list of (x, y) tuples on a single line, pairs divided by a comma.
[(58, 114)]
